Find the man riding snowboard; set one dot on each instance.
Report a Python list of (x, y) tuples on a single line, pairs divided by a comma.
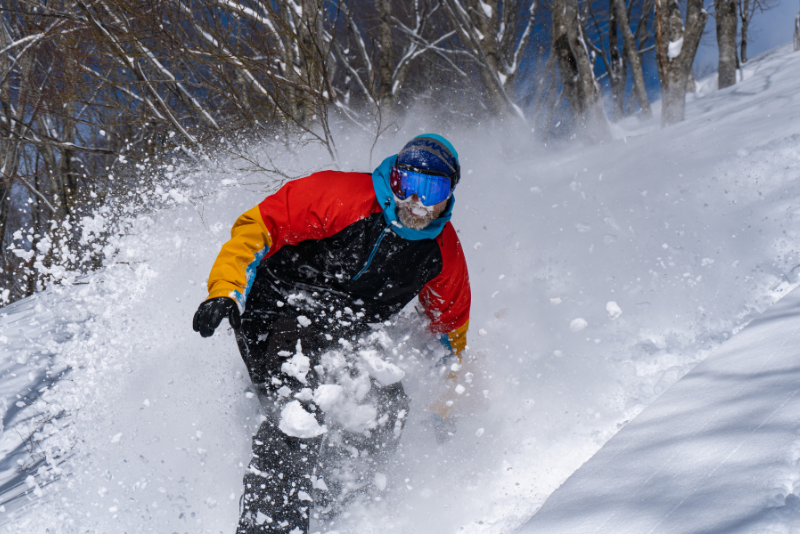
[(307, 271)]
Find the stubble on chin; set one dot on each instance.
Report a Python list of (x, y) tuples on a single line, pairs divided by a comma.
[(418, 222)]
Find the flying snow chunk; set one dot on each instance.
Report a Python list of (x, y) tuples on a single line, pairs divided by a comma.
[(304, 395), (297, 422), (613, 310), (381, 481), (577, 325), (327, 395), (556, 301), (384, 372), (177, 196), (116, 438), (303, 320), (318, 483), (298, 365)]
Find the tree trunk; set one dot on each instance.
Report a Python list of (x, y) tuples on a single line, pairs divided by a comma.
[(634, 59), (676, 47), (617, 71), (5, 145), (745, 12), (580, 87), (485, 15), (691, 85), (726, 41), (797, 33), (384, 9)]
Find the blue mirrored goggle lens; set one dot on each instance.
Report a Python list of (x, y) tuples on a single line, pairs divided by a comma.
[(429, 188)]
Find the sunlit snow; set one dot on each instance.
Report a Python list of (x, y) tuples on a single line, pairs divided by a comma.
[(119, 418)]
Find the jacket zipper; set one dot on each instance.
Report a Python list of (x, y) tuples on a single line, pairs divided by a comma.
[(372, 254)]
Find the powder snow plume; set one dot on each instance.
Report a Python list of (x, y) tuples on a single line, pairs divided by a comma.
[(600, 276)]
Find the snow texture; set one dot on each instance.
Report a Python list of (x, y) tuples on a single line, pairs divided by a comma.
[(690, 229), (718, 452), (613, 309), (674, 48), (298, 365), (296, 421)]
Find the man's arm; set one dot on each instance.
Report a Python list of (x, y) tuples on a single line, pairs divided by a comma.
[(447, 300), (314, 207), (235, 268), (447, 297)]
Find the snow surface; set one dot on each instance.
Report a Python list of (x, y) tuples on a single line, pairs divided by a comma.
[(718, 452), (119, 418)]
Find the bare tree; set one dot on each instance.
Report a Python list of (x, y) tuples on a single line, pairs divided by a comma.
[(495, 35), (676, 46), (617, 59), (725, 15), (577, 73), (747, 10), (797, 33), (375, 67), (633, 54), (612, 57)]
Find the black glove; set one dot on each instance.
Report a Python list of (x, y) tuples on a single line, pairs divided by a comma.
[(211, 312)]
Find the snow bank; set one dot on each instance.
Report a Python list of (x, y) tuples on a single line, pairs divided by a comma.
[(718, 452)]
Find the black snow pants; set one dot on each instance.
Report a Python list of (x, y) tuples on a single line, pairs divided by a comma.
[(282, 485)]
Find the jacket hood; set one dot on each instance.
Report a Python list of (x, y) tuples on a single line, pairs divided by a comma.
[(383, 192)]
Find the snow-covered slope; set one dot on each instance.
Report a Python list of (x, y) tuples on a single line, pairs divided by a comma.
[(689, 231), (718, 452)]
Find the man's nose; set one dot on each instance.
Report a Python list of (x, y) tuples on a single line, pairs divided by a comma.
[(414, 197)]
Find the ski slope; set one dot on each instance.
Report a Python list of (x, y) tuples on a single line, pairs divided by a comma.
[(119, 418), (718, 452)]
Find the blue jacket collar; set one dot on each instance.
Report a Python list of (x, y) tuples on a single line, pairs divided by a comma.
[(383, 192)]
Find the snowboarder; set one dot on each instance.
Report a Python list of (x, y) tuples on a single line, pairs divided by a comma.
[(311, 267)]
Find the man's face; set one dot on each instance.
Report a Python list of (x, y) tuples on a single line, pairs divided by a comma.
[(416, 215)]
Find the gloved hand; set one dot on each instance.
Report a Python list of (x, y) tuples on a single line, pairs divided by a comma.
[(212, 311), (444, 429)]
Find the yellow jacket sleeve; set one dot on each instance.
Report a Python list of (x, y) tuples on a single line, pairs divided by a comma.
[(457, 339), (235, 268)]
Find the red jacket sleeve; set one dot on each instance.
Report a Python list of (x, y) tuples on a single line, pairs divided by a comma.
[(447, 297)]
